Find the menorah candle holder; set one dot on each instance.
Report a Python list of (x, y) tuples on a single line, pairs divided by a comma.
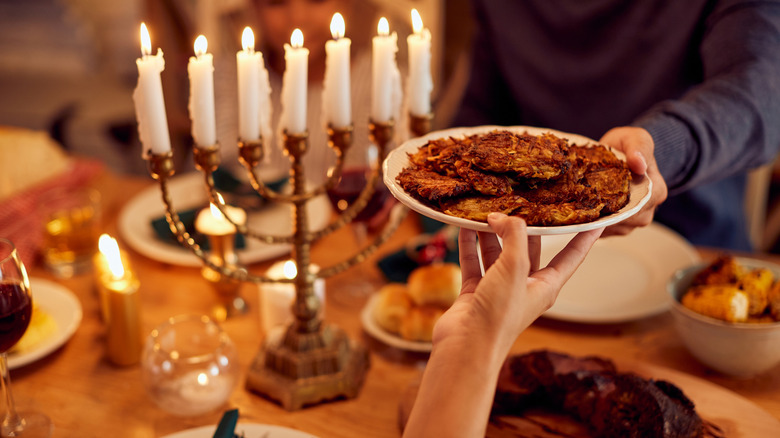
[(420, 125), (311, 362)]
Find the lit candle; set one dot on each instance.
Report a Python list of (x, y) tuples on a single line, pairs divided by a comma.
[(420, 80), (201, 73), (149, 102), (211, 221), (336, 100), (119, 300), (294, 83), (276, 299), (385, 77), (254, 90)]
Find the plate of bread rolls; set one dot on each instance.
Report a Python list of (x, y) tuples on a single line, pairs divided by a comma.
[(402, 315)]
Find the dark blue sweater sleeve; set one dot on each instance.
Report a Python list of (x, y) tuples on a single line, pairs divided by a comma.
[(731, 121)]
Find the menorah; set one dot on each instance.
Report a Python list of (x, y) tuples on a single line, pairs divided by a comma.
[(311, 362)]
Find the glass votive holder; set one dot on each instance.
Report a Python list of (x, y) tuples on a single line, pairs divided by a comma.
[(189, 365)]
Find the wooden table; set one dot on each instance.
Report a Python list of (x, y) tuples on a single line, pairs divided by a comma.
[(87, 396)]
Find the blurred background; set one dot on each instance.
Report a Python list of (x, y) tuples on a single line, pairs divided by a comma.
[(68, 66)]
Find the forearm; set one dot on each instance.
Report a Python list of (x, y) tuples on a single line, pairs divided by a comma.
[(457, 390), (728, 123)]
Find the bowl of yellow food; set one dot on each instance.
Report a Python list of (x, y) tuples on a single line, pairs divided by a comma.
[(727, 314)]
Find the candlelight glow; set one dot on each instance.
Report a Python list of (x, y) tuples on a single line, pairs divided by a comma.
[(201, 45), (296, 40), (110, 250), (383, 28), (215, 211), (146, 41), (337, 26), (248, 40), (203, 379), (290, 271), (417, 24)]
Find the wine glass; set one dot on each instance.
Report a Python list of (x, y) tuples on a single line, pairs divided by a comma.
[(354, 178), (15, 313)]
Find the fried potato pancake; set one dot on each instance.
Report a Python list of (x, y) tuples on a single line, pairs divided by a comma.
[(526, 156), (540, 178)]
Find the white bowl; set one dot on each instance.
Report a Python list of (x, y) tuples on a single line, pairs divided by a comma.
[(735, 349)]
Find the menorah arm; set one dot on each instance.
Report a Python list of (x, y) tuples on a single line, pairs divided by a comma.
[(397, 215), (161, 169)]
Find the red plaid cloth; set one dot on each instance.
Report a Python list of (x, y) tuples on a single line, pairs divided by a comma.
[(19, 217)]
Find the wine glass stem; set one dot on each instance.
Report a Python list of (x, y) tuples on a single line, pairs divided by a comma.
[(12, 421)]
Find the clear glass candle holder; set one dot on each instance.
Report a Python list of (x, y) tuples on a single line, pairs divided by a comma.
[(190, 366)]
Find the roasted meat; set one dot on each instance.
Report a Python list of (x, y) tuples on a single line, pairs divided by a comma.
[(590, 389)]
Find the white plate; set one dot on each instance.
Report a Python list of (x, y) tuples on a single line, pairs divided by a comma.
[(398, 159), (188, 191), (63, 307), (250, 430), (623, 278), (380, 334)]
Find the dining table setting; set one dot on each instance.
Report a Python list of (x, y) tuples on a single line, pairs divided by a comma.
[(223, 300), (87, 393)]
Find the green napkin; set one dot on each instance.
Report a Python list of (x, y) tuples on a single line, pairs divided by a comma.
[(227, 425)]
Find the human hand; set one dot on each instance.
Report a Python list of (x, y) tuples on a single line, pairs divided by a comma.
[(495, 308), (638, 146)]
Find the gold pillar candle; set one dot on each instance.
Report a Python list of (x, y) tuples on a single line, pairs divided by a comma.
[(221, 234), (120, 305)]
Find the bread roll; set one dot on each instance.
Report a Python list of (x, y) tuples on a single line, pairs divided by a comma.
[(417, 324), (27, 158), (437, 284), (391, 307)]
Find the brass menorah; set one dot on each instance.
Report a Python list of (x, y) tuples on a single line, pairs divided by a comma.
[(311, 362)]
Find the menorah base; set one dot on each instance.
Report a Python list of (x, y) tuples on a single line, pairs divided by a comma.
[(331, 367)]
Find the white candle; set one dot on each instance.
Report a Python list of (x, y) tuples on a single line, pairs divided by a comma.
[(248, 88), (276, 299), (294, 83), (212, 222), (149, 102), (336, 98), (420, 80), (385, 77), (201, 105), (195, 392)]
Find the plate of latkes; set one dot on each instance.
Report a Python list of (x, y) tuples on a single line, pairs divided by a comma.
[(558, 182)]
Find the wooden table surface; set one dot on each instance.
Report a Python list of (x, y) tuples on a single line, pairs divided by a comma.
[(86, 396)]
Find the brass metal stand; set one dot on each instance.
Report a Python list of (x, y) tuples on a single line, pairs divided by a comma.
[(310, 362), (420, 125)]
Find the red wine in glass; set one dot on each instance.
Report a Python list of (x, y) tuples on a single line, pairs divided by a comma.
[(15, 313), (348, 189)]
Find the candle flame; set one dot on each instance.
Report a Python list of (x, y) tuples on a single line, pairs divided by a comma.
[(383, 28), (110, 250), (201, 45), (417, 23), (203, 379), (290, 270), (296, 39), (337, 26), (215, 211), (248, 40), (146, 41)]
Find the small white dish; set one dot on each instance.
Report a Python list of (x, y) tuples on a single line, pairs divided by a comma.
[(188, 191), (623, 278), (249, 430), (382, 335), (398, 159), (64, 307)]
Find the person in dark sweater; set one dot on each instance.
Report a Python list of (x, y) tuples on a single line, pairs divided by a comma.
[(690, 90)]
